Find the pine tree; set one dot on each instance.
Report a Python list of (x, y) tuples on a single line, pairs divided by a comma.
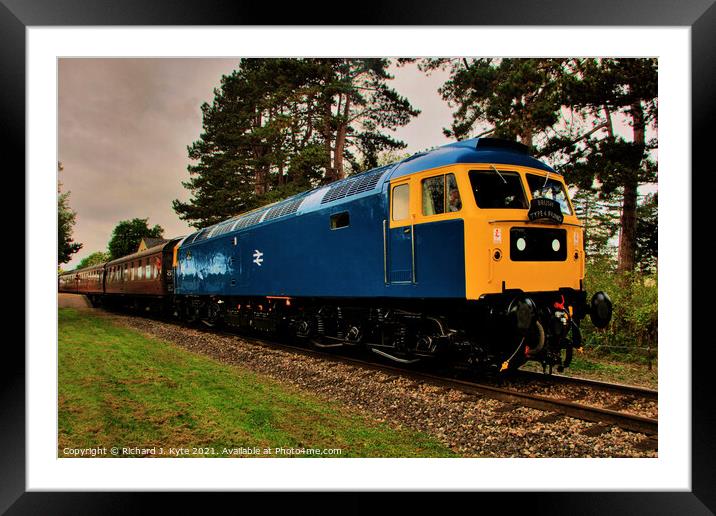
[(647, 225), (603, 88), (280, 126), (513, 98), (528, 99)]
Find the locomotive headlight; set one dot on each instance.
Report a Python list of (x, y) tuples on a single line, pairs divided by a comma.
[(555, 245), (521, 244)]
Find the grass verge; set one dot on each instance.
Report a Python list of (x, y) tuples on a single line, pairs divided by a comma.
[(121, 390), (596, 367)]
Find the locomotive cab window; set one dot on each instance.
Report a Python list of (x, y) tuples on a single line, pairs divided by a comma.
[(401, 202), (546, 187), (440, 195), (340, 220), (497, 189)]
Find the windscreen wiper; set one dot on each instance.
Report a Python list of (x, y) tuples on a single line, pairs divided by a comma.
[(498, 173)]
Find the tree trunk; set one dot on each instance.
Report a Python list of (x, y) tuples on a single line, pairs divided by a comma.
[(327, 140), (259, 181), (627, 235), (526, 137), (341, 141)]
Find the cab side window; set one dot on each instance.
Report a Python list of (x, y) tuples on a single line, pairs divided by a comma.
[(433, 195), (401, 202), (440, 195), (452, 194)]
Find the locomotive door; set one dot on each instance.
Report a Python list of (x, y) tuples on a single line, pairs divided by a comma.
[(400, 237), (238, 274)]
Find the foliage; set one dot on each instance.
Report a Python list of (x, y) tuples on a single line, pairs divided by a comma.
[(277, 126), (564, 108), (381, 159), (515, 97), (633, 331), (95, 258), (600, 214), (66, 246), (127, 235), (600, 217), (647, 232)]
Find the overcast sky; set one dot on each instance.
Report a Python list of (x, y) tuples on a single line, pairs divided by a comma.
[(124, 125)]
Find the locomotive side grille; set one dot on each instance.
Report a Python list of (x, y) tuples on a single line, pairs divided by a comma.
[(345, 188), (353, 185), (248, 220), (224, 227), (201, 235), (283, 209)]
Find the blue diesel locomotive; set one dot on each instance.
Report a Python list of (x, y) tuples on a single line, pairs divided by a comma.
[(471, 252)]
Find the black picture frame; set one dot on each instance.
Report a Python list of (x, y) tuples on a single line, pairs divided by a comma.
[(699, 15)]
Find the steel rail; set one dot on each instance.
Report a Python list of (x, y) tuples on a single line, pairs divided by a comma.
[(621, 388), (626, 421)]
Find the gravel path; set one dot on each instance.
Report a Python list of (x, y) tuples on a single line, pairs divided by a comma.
[(471, 425), (72, 301)]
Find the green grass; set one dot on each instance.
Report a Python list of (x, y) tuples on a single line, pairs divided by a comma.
[(589, 366), (118, 388)]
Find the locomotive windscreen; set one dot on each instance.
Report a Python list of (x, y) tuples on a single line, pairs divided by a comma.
[(493, 189), (549, 188)]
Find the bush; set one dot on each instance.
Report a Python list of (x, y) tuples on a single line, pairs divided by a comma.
[(632, 333)]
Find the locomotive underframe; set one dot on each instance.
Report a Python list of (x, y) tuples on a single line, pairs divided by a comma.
[(496, 332)]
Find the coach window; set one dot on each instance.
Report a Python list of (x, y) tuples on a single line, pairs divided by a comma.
[(401, 202)]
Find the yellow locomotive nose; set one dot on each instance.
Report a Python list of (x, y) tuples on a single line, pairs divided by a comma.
[(523, 256), (521, 232)]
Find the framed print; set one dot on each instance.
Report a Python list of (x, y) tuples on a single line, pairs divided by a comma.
[(37, 35)]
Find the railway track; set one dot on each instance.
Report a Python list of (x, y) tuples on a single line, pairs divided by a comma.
[(602, 415), (633, 390), (511, 396)]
